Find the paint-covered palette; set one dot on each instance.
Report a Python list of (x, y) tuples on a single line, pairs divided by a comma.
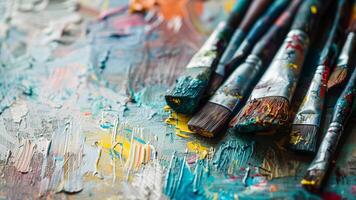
[(83, 112)]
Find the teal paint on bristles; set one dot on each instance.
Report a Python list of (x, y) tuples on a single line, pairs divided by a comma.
[(305, 127), (215, 114), (268, 107), (185, 96), (317, 172), (240, 38), (340, 73)]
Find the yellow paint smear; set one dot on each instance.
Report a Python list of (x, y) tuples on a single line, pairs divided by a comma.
[(178, 120), (228, 5), (196, 147), (134, 152), (314, 9), (306, 182), (124, 149)]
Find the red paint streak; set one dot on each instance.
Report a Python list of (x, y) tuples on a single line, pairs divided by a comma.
[(348, 97), (128, 21), (325, 76), (353, 189), (296, 46), (331, 196)]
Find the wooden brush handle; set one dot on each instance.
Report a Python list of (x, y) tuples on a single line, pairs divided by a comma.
[(316, 173), (237, 14), (256, 8), (254, 11)]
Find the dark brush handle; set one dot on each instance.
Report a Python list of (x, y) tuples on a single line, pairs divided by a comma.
[(309, 15)]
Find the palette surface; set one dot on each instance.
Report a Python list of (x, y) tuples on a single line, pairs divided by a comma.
[(83, 115)]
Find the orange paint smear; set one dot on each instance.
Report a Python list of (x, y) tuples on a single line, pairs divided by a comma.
[(168, 8)]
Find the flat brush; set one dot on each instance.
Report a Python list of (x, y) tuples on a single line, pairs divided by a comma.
[(269, 103), (217, 111), (317, 171), (189, 88), (224, 69), (339, 74), (307, 120)]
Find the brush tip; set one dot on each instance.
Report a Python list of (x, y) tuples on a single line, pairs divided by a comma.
[(209, 120), (186, 94), (313, 180), (337, 78), (303, 138), (262, 114)]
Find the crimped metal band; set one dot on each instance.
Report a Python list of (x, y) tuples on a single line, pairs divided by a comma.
[(282, 76), (238, 84), (344, 57), (327, 147), (311, 109)]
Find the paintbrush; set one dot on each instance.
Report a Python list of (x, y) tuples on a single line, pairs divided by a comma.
[(269, 103), (224, 69), (307, 120), (189, 88), (215, 114), (339, 74), (316, 172)]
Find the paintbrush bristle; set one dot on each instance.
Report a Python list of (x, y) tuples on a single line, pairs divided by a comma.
[(186, 94), (209, 120), (303, 138), (262, 114), (337, 78), (215, 83), (313, 180)]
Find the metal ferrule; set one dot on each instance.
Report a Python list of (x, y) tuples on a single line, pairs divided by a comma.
[(327, 147), (238, 84), (344, 58), (282, 76), (311, 108), (208, 53)]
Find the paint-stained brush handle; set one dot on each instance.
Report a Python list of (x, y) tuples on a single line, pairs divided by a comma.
[(309, 15), (184, 97), (308, 118), (237, 14), (315, 176)]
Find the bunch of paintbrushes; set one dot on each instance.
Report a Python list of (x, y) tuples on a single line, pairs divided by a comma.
[(342, 69), (317, 171), (215, 114), (308, 118), (189, 88), (268, 107), (193, 85)]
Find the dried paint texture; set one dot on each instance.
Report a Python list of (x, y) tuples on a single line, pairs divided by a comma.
[(279, 164), (24, 156), (232, 155)]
